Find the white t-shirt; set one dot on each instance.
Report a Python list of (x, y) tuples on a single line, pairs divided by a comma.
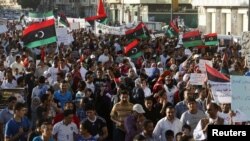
[(65, 132)]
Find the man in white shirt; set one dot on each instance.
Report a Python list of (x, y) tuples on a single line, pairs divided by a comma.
[(17, 65), (65, 130), (105, 57), (170, 122), (200, 132), (9, 82)]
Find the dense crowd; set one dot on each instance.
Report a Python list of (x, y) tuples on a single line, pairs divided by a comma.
[(89, 90)]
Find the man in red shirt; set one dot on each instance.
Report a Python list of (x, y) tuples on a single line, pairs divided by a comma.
[(59, 117)]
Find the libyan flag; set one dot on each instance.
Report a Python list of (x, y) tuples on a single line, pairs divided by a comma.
[(214, 75), (211, 39), (172, 30), (39, 34), (63, 20), (40, 16), (100, 14), (191, 39), (132, 50), (140, 31)]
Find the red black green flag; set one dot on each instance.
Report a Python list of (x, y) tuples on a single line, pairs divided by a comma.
[(140, 31), (39, 34), (63, 20), (214, 75), (172, 30), (211, 39), (100, 14), (191, 39), (132, 49)]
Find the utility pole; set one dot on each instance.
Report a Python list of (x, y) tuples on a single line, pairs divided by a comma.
[(248, 14), (174, 7), (122, 11), (171, 11)]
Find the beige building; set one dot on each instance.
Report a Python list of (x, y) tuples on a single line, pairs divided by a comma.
[(9, 4), (222, 16), (151, 10), (76, 8)]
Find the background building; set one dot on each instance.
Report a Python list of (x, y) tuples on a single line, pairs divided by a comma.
[(9, 4), (222, 16), (152, 10)]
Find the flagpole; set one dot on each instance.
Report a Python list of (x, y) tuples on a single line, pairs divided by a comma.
[(171, 10)]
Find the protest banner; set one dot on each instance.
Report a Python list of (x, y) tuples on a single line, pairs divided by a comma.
[(240, 86), (197, 78), (105, 29), (221, 92)]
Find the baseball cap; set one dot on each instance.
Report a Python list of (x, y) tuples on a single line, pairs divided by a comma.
[(92, 56), (138, 108)]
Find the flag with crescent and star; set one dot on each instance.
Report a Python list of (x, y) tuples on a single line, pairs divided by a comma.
[(39, 34), (140, 31), (211, 39), (192, 39), (132, 49)]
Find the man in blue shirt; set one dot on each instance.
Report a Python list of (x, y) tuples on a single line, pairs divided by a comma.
[(62, 96), (6, 114), (18, 127)]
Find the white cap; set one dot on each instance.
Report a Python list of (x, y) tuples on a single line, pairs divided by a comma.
[(92, 56), (138, 108), (196, 56)]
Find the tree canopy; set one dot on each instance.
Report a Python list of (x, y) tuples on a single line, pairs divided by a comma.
[(29, 3)]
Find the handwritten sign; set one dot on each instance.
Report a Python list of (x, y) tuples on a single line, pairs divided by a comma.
[(240, 86), (202, 63), (221, 92), (63, 36), (245, 43), (109, 29), (197, 78)]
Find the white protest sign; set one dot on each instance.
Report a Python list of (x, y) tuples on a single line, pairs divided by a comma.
[(245, 43), (70, 39), (19, 27), (3, 29), (81, 21), (197, 78), (202, 63), (240, 86), (239, 116), (62, 36), (108, 29), (221, 92), (75, 25)]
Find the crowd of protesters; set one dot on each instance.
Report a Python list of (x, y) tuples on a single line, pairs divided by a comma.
[(89, 90)]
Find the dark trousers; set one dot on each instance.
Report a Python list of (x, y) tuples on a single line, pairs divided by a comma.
[(118, 135)]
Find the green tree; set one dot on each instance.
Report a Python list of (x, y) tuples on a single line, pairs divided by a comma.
[(29, 3)]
